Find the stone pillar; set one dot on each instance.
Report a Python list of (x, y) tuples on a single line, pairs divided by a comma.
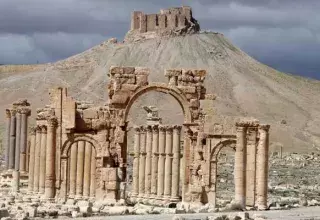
[(161, 167), (142, 162), (12, 138), (240, 165), (73, 169), (7, 138), (155, 156), (43, 158), (135, 175), (37, 160), (262, 167), (93, 174), (23, 138), (176, 163), (16, 181), (50, 174), (87, 170), (32, 159), (168, 164), (148, 162), (17, 150), (251, 165), (80, 166)]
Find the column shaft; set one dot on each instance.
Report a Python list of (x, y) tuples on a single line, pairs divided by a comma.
[(37, 160), (73, 169), (50, 174), (176, 163), (93, 174), (23, 139), (155, 156), (43, 158), (12, 139), (262, 167), (161, 168), (31, 160), (135, 175), (168, 164), (80, 167), (148, 162), (251, 166), (240, 167), (16, 180), (142, 163), (87, 170), (17, 150), (7, 138)]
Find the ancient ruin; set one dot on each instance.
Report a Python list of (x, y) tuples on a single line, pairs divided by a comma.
[(79, 151), (172, 21)]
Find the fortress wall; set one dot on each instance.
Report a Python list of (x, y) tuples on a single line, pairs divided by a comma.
[(143, 23), (187, 11), (181, 20), (162, 21), (172, 21), (152, 22), (135, 20)]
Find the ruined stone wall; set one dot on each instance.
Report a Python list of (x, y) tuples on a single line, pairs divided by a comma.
[(167, 19)]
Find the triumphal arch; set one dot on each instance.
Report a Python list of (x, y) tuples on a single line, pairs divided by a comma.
[(80, 151)]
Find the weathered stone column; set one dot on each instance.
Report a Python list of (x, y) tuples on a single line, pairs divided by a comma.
[(23, 138), (155, 157), (251, 163), (93, 174), (87, 170), (262, 167), (15, 181), (176, 163), (142, 162), (161, 168), (32, 159), (50, 176), (7, 138), (168, 164), (80, 167), (240, 165), (135, 175), (12, 138), (37, 160), (73, 169), (17, 150), (148, 162), (43, 158)]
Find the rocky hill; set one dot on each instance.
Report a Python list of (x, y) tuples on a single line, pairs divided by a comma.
[(244, 87)]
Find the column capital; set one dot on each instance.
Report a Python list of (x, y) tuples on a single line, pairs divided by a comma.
[(142, 129), (13, 112), (162, 128), (169, 129), (155, 128), (177, 128), (32, 131), (52, 122), (8, 113), (38, 128), (264, 127), (137, 129), (25, 111), (43, 129), (248, 123), (149, 128)]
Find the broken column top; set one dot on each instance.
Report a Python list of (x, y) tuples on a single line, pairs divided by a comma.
[(172, 21)]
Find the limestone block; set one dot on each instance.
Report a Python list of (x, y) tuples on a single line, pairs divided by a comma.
[(90, 113), (142, 80), (173, 72), (194, 103), (118, 210), (119, 136), (128, 70), (4, 212), (130, 87), (188, 89), (31, 211), (116, 70), (121, 97), (151, 22), (142, 71)]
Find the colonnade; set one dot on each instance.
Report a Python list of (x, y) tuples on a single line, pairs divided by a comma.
[(156, 164), (251, 165), (16, 142), (82, 170), (42, 159)]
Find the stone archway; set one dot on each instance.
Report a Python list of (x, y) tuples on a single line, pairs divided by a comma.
[(80, 167)]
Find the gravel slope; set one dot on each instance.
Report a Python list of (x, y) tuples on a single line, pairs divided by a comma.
[(244, 86)]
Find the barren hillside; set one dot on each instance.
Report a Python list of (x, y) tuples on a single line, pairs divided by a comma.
[(244, 86)]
